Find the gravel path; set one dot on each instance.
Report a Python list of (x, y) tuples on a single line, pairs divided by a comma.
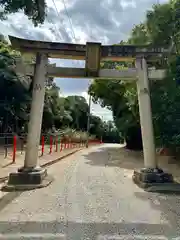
[(89, 199)]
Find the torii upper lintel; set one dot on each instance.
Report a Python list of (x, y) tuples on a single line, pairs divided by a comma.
[(78, 51)]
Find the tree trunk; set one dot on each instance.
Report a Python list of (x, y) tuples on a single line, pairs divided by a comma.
[(134, 138)]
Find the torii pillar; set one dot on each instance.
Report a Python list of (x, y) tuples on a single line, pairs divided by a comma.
[(151, 177), (32, 176)]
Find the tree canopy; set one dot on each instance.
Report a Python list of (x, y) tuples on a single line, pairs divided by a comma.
[(34, 9), (59, 112), (160, 28)]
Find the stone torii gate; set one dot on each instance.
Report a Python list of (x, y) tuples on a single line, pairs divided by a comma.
[(31, 175)]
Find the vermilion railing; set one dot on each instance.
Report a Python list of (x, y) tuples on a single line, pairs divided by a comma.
[(12, 146)]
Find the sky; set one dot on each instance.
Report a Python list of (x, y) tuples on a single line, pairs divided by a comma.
[(79, 21)]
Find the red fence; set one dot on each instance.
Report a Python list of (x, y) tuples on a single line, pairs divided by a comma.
[(10, 145)]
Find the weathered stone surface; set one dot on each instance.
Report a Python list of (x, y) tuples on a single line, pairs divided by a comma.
[(155, 180), (25, 177), (27, 180)]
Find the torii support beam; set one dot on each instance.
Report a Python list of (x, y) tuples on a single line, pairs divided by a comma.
[(93, 53), (65, 72)]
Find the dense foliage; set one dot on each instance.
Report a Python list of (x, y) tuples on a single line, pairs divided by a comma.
[(14, 97), (59, 112), (34, 9), (161, 27)]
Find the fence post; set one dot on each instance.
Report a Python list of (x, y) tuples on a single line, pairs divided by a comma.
[(51, 144), (5, 146), (42, 146), (14, 148), (56, 139), (22, 144), (60, 143), (61, 146), (6, 152)]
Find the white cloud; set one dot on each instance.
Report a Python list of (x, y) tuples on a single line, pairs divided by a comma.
[(126, 4), (86, 96), (59, 4), (106, 21)]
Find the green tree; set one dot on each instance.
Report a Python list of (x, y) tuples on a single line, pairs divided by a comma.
[(78, 107), (14, 98), (110, 133), (34, 9), (96, 126), (120, 97), (139, 35), (161, 27)]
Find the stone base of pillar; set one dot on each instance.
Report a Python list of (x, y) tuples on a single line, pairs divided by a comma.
[(155, 180), (27, 179)]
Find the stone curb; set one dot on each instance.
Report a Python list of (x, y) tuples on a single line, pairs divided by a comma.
[(60, 158)]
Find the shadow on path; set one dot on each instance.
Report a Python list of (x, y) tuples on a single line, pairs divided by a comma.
[(8, 164), (115, 157), (167, 204), (82, 231), (8, 198)]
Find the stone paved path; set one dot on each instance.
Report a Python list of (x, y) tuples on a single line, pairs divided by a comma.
[(92, 197)]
